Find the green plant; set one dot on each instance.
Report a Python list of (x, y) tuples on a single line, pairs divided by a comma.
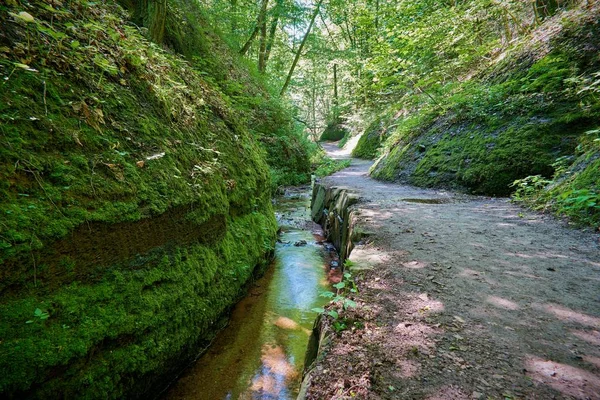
[(340, 299), (528, 187), (40, 315), (328, 166)]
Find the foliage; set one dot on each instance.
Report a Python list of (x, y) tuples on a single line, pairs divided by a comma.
[(510, 121), (340, 301), (373, 136), (322, 165), (574, 190)]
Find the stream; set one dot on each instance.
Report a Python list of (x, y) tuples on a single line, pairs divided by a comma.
[(261, 353)]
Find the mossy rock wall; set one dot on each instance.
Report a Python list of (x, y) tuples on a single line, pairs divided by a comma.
[(135, 204), (373, 137), (333, 132), (510, 121)]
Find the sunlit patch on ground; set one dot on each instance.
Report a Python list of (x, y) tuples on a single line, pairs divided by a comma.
[(568, 380), (414, 264), (449, 393), (566, 314), (502, 303), (592, 337)]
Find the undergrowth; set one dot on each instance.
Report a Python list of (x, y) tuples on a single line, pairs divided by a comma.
[(510, 120)]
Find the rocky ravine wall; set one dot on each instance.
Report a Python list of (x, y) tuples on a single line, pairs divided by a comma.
[(334, 209), (331, 207), (135, 205)]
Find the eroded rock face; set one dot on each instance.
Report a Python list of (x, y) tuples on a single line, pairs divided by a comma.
[(135, 209), (331, 207)]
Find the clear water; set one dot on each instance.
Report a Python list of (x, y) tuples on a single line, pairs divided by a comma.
[(260, 355)]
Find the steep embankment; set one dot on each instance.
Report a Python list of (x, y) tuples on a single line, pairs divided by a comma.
[(529, 106), (135, 199)]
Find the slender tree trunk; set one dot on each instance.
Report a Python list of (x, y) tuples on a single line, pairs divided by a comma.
[(507, 32), (377, 17), (299, 52), (262, 14), (335, 89), (314, 103), (272, 32), (262, 51), (350, 37), (233, 13)]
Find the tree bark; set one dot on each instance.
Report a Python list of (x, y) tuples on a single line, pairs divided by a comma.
[(262, 14), (272, 32), (233, 13), (299, 52), (335, 87), (152, 14)]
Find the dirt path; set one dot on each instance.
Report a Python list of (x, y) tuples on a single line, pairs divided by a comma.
[(466, 297)]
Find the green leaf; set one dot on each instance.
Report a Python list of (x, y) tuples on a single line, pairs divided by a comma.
[(333, 314), (37, 312), (318, 310), (349, 303), (327, 294), (340, 285)]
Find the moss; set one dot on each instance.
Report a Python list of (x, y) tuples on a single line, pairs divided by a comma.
[(333, 132), (245, 90), (134, 322), (372, 138), (135, 202), (574, 190)]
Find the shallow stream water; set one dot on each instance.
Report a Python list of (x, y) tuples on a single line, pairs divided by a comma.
[(261, 353)]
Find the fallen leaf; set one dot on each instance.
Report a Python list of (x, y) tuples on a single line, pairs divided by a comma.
[(23, 16)]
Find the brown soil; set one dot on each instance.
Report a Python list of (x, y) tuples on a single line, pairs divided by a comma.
[(463, 297)]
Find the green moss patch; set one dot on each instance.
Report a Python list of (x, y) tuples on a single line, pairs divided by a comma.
[(135, 198)]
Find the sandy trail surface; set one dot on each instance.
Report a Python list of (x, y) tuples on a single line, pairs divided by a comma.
[(463, 297)]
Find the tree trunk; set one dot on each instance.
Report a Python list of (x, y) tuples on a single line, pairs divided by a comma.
[(272, 32), (299, 52), (233, 13), (335, 88), (152, 14), (262, 52), (262, 15)]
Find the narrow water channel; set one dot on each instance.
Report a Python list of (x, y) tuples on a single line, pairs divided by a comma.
[(260, 355)]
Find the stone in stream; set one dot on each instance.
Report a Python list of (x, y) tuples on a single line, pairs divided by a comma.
[(300, 243)]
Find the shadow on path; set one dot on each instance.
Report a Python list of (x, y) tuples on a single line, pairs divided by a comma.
[(465, 297)]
